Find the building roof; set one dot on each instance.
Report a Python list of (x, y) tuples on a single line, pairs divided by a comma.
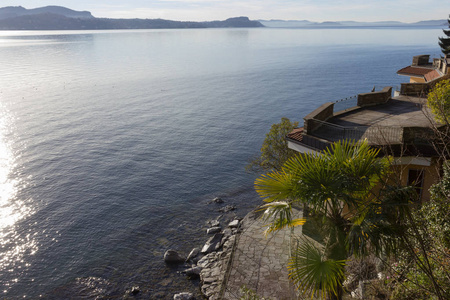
[(432, 75), (296, 134), (427, 73)]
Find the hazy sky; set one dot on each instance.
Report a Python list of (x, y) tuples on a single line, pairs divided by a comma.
[(205, 10)]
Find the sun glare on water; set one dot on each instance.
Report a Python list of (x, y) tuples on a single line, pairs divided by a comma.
[(14, 246)]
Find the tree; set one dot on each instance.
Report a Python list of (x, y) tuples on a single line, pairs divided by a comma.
[(274, 151), (445, 42), (439, 100), (338, 185), (422, 269)]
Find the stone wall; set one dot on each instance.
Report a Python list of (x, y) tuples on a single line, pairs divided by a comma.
[(420, 89), (322, 113), (414, 89), (375, 98)]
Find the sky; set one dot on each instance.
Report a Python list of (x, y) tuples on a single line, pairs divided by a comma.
[(208, 10)]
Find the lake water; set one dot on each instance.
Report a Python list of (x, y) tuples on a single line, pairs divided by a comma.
[(113, 142)]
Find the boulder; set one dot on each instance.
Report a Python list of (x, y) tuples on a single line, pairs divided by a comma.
[(234, 224), (213, 243), (194, 252), (183, 296), (213, 230), (135, 290), (172, 256)]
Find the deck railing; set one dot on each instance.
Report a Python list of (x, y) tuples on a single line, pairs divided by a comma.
[(344, 104)]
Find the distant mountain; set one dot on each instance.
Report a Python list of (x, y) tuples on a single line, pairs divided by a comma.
[(61, 18), (374, 24), (17, 11), (306, 23), (433, 23), (234, 22)]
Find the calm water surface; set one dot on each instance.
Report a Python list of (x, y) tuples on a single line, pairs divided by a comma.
[(112, 142)]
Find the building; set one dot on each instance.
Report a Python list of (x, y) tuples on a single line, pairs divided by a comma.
[(401, 126), (422, 70)]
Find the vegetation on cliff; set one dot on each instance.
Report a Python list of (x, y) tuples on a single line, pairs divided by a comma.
[(274, 150)]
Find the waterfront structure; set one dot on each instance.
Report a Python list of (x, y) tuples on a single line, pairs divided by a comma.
[(401, 126), (423, 70)]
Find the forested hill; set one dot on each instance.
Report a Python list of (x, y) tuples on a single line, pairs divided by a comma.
[(61, 18)]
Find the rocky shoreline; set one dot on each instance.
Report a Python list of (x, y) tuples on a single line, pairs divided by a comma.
[(211, 262)]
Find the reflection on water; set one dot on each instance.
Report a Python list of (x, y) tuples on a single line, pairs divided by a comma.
[(25, 42), (13, 245)]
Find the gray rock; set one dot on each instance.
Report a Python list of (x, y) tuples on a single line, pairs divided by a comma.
[(172, 256), (208, 280), (183, 296), (234, 224), (206, 260), (224, 240), (203, 262), (227, 208), (193, 272), (229, 242), (194, 252), (217, 200), (227, 232), (213, 230), (135, 290), (214, 223), (213, 243)]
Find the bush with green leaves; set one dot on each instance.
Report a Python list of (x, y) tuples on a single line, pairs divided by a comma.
[(439, 101), (274, 151)]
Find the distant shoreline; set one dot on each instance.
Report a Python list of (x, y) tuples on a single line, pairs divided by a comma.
[(61, 18)]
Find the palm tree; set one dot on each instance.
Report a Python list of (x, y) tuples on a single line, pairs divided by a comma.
[(339, 185)]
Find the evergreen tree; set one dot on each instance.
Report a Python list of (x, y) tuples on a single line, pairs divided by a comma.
[(444, 42)]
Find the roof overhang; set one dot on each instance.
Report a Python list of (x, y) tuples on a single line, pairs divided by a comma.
[(413, 160), (302, 148), (427, 74)]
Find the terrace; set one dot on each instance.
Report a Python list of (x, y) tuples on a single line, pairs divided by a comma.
[(376, 117)]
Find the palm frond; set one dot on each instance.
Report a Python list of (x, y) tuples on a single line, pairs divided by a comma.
[(276, 186), (313, 273), (279, 215)]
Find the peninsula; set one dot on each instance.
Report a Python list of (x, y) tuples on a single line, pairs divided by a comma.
[(61, 18)]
